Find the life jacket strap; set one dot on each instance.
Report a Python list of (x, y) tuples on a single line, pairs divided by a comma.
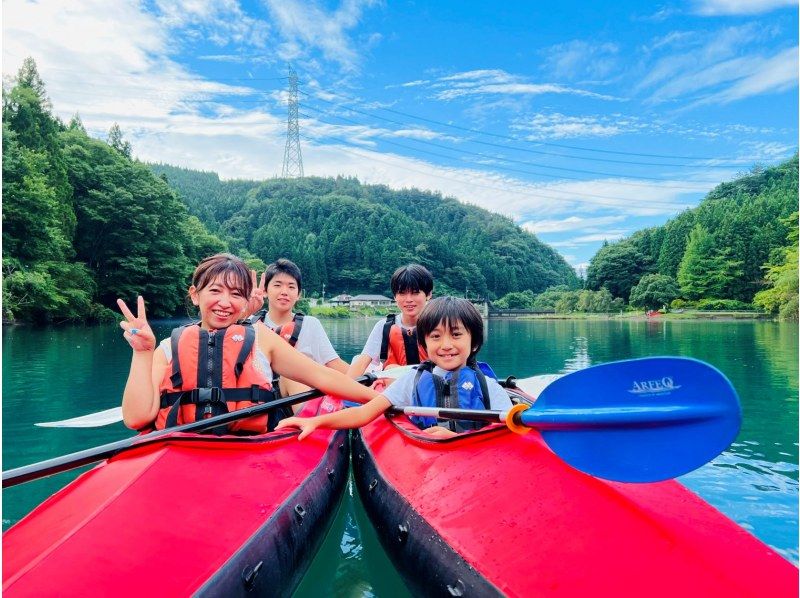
[(298, 325), (387, 328), (213, 401), (411, 346)]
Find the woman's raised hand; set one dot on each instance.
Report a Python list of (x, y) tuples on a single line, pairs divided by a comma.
[(256, 301), (137, 331)]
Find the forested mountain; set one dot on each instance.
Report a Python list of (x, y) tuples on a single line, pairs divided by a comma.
[(717, 250), (351, 236), (84, 224)]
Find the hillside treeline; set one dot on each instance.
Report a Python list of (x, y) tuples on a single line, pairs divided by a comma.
[(84, 224), (350, 237), (735, 244)]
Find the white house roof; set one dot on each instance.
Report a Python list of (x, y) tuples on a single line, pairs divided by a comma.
[(370, 298)]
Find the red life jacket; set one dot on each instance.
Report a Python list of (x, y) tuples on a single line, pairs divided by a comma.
[(213, 373), (399, 345), (290, 331)]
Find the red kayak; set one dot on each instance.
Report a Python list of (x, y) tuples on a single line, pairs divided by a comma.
[(494, 513), (187, 515)]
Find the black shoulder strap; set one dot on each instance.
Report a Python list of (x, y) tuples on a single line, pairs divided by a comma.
[(244, 352), (387, 328), (411, 346), (425, 366), (484, 387), (298, 324), (259, 315), (176, 379)]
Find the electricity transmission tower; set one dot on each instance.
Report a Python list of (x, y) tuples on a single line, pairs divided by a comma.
[(292, 157)]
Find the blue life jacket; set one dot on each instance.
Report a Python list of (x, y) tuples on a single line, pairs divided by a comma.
[(464, 388)]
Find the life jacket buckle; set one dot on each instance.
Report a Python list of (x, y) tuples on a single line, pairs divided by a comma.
[(207, 397)]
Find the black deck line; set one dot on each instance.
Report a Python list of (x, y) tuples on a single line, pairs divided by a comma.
[(429, 566), (289, 539)]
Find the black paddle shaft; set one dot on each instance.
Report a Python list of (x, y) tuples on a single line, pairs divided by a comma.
[(26, 473)]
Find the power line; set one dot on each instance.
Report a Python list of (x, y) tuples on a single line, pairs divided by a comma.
[(516, 139), (527, 193), (501, 159)]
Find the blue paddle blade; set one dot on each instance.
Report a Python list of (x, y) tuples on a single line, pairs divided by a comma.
[(638, 420)]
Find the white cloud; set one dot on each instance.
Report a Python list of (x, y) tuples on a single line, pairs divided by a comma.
[(559, 126), (593, 238), (580, 59), (306, 26), (770, 75), (495, 82), (541, 227), (721, 67), (222, 22), (739, 7)]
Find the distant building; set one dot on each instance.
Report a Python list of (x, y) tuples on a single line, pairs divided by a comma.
[(343, 299), (371, 301)]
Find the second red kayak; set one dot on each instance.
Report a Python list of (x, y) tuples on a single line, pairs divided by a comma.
[(495, 513)]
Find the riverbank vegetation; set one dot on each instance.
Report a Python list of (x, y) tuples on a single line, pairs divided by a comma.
[(736, 251)]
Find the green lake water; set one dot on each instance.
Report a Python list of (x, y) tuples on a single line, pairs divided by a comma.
[(57, 373)]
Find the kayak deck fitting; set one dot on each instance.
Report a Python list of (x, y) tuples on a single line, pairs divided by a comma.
[(198, 515)]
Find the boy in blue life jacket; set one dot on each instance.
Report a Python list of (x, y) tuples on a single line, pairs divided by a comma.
[(451, 330)]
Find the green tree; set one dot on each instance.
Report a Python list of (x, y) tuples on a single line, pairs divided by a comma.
[(617, 267), (705, 271), (781, 297), (116, 140), (654, 291)]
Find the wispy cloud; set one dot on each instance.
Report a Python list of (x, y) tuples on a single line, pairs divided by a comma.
[(579, 59), (222, 22), (720, 68), (496, 82), (559, 126), (713, 8), (307, 25), (541, 227), (612, 235)]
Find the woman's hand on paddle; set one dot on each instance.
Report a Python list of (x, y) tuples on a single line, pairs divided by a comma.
[(137, 331), (306, 425), (256, 301)]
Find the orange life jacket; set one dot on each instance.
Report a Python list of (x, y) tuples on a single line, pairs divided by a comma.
[(213, 372), (290, 331), (399, 345)]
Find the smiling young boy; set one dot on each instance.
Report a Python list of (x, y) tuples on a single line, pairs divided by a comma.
[(451, 330), (283, 282), (392, 343)]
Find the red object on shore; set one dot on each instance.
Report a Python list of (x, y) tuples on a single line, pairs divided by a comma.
[(652, 313), (190, 515), (492, 513)]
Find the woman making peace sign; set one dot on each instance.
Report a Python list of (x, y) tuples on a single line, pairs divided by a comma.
[(217, 364)]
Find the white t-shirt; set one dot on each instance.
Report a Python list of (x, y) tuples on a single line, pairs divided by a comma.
[(373, 345), (313, 341), (401, 392)]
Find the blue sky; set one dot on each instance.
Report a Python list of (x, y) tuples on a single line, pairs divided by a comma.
[(583, 122)]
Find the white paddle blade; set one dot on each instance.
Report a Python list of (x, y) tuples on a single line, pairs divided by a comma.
[(536, 384), (91, 420)]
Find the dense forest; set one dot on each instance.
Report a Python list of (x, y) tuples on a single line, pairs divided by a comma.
[(737, 245), (350, 237), (84, 223)]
